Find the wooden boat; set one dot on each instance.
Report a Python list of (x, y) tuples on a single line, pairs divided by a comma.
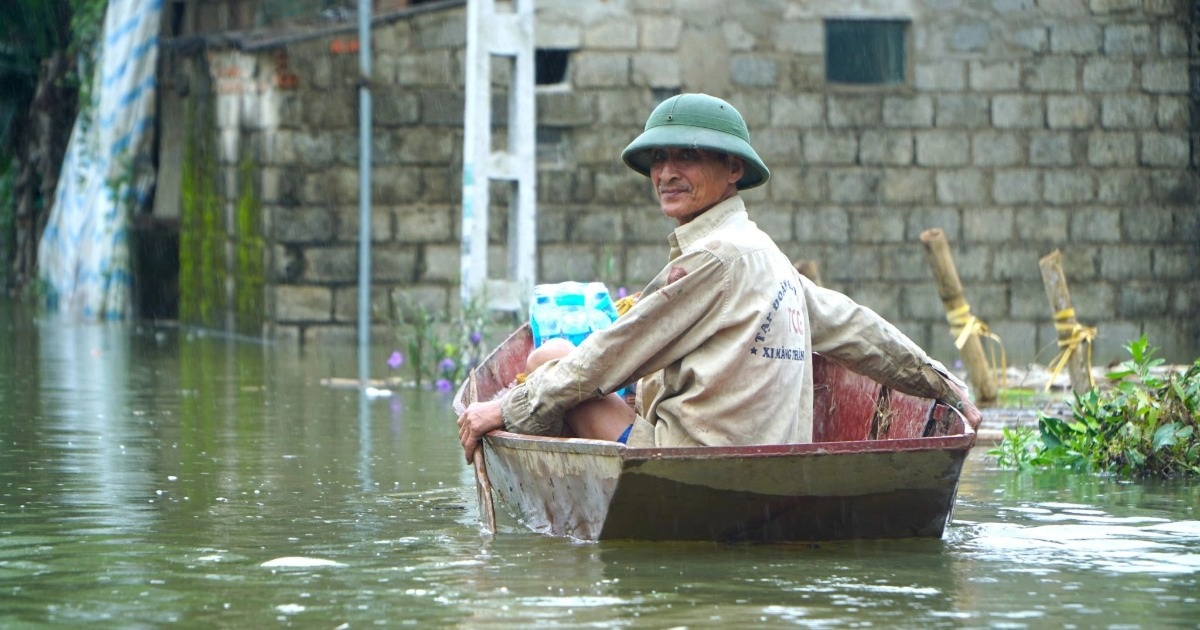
[(882, 465)]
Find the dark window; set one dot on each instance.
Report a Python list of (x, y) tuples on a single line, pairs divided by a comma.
[(550, 65), (865, 52)]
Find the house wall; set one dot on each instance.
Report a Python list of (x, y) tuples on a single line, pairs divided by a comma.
[(1024, 127)]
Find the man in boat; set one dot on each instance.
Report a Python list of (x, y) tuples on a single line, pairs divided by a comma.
[(721, 340)]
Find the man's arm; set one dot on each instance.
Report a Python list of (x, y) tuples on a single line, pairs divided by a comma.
[(862, 340)]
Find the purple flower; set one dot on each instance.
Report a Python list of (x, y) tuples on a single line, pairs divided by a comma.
[(396, 360), (621, 292), (447, 365), (444, 385), (476, 337)]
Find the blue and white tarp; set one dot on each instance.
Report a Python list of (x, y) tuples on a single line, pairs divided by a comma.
[(107, 171)]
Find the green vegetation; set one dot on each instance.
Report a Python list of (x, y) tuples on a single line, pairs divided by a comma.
[(440, 350), (1143, 425)]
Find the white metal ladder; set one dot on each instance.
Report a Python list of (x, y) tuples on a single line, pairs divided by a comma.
[(509, 35)]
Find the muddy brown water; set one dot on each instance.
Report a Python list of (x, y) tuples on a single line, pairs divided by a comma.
[(157, 477)]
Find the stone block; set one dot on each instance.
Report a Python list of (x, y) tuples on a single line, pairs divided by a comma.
[(1143, 299), (571, 261), (825, 147), (1017, 111), (613, 33), (796, 185), (392, 107), (617, 188), (600, 70), (393, 184), (440, 30), (921, 302), (988, 225), (1160, 149), (942, 148), (1165, 77), (920, 219), (1187, 300), (803, 37), (1123, 186), (782, 146), (347, 221), (1071, 112), (600, 226), (306, 224), (552, 223), (441, 185), (1174, 263), (440, 263), (1041, 225), (1075, 38), (617, 108), (892, 148), (1104, 7), (1016, 186), (1051, 74), (1050, 148), (426, 224), (903, 263), (1096, 225), (1173, 187), (562, 108), (754, 71), (854, 185), (903, 186), (807, 73), (1033, 39), (656, 71), (1148, 224), (797, 110), (854, 111), (1015, 263), (646, 224), (961, 186), (708, 68), (433, 298), (996, 148), (1113, 336), (737, 38), (345, 309), (1127, 111), (441, 107), (944, 75), (1172, 112), (1172, 40), (875, 226), (881, 297), (1112, 148), (1107, 75), (1067, 187), (994, 76), (394, 263), (962, 110), (434, 68), (661, 32), (303, 303), (774, 220), (908, 111), (1127, 39), (970, 36), (557, 33)]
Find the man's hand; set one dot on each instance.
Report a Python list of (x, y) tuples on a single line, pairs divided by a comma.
[(966, 407), (477, 421)]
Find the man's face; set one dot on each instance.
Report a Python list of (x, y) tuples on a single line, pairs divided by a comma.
[(690, 181)]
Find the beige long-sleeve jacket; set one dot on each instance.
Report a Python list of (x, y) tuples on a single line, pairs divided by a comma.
[(722, 341)]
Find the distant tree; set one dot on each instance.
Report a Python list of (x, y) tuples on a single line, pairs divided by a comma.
[(46, 47)]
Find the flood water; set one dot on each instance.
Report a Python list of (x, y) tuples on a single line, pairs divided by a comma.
[(156, 477)]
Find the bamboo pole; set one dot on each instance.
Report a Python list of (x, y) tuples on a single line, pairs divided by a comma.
[(937, 254), (1070, 333)]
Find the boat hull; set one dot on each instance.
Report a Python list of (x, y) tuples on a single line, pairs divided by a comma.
[(888, 468)]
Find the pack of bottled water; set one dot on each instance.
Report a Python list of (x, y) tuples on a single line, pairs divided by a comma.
[(571, 310)]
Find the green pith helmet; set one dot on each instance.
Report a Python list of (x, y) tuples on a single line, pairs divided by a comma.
[(698, 121)]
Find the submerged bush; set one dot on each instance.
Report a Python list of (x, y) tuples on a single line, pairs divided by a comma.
[(1144, 425)]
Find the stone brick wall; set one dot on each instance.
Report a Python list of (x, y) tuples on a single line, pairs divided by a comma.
[(1023, 127)]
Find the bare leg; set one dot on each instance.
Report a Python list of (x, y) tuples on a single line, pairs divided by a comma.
[(604, 418)]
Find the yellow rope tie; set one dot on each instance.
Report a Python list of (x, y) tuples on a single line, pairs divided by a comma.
[(624, 304), (963, 324), (1078, 335)]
